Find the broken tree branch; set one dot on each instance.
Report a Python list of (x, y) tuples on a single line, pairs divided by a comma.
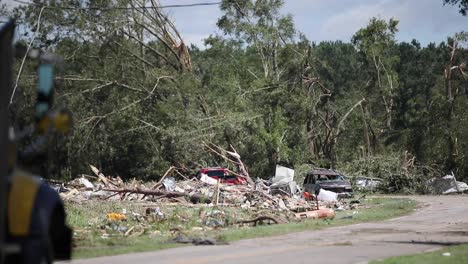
[(162, 178), (242, 168), (195, 198), (36, 32), (348, 113), (259, 220)]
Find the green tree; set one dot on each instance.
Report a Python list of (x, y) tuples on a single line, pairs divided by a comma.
[(462, 4), (377, 43)]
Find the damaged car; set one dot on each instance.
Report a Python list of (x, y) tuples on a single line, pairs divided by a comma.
[(221, 174), (329, 180)]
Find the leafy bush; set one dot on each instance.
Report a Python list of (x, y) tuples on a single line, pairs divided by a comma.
[(391, 169)]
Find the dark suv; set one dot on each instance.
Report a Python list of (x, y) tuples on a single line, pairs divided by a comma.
[(329, 180)]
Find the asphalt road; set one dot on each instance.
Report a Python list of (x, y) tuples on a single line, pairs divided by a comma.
[(443, 219)]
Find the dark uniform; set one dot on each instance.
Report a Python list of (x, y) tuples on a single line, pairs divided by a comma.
[(36, 221)]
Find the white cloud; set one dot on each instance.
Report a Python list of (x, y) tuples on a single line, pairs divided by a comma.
[(425, 20), (196, 39), (338, 20)]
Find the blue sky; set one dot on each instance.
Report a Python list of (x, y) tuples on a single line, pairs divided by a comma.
[(424, 20)]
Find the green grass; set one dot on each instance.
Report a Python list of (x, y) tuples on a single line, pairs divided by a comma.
[(381, 209), (128, 245), (94, 235), (458, 255)]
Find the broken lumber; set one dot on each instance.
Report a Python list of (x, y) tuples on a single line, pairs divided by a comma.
[(101, 176), (163, 177), (194, 198)]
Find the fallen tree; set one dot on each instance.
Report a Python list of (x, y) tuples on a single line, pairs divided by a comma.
[(194, 198), (236, 160)]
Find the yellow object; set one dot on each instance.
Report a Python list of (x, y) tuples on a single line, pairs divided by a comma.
[(60, 121), (63, 122), (21, 200), (116, 216)]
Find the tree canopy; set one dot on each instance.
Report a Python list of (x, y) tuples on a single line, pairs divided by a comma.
[(143, 100)]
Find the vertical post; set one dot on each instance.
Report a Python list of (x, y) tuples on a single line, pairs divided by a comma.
[(6, 55)]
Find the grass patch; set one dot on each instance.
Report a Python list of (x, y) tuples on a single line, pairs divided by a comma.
[(458, 255), (125, 245), (95, 236), (381, 209)]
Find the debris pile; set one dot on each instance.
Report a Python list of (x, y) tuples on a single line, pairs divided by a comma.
[(448, 185), (265, 202), (368, 184), (280, 195)]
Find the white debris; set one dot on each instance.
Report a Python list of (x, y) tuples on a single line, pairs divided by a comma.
[(448, 184), (207, 179), (86, 183), (283, 175), (169, 184), (246, 205), (365, 183), (281, 204), (327, 196)]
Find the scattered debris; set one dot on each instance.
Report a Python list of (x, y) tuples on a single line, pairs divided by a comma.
[(324, 213), (447, 185), (208, 180), (283, 182), (327, 196), (283, 175), (368, 184), (116, 216), (155, 212), (169, 184), (261, 220), (196, 240), (266, 202), (86, 183)]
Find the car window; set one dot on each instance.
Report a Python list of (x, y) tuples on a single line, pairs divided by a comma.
[(219, 174)]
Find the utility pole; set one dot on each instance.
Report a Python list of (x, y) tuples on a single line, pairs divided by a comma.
[(6, 61)]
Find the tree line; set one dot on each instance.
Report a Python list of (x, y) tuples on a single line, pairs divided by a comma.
[(144, 101)]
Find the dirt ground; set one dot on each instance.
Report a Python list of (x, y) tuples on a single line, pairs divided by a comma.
[(441, 221)]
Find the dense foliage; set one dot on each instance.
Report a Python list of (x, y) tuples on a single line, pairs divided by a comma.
[(462, 4), (141, 106)]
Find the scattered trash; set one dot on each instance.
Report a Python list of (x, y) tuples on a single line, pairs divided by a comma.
[(214, 223), (155, 212), (368, 184), (446, 254), (86, 183), (207, 179), (283, 175), (283, 183), (246, 205), (116, 216), (118, 228), (447, 185), (324, 213), (265, 202), (327, 196), (169, 184)]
